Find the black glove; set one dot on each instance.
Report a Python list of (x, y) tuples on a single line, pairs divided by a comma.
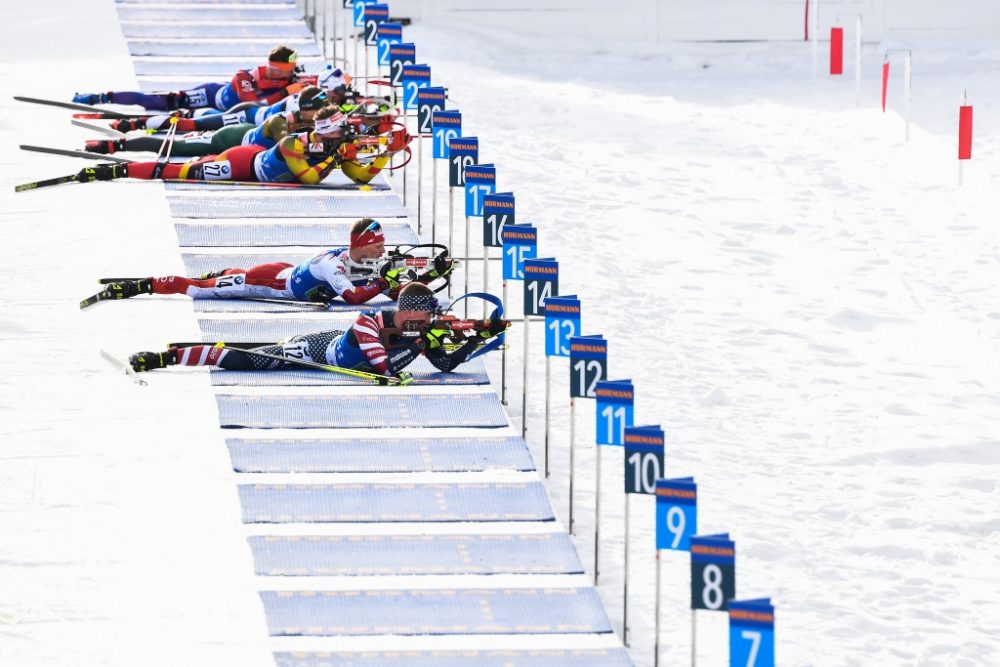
[(434, 338), (321, 294), (495, 328), (442, 267), (103, 172)]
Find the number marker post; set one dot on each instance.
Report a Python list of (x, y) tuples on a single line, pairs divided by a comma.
[(751, 633), (541, 280), (480, 181), (713, 578), (498, 210), (588, 365), (345, 17), (358, 8), (414, 78), (562, 322), (462, 152), (445, 126), (372, 16), (615, 412), (400, 56), (520, 243), (386, 35), (676, 524), (429, 100)]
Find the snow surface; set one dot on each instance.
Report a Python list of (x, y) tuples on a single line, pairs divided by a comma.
[(806, 303)]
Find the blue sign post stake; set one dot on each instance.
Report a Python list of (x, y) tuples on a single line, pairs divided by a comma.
[(358, 9), (562, 321), (713, 578), (413, 78), (463, 152), (498, 210), (615, 412), (541, 280), (429, 100), (676, 524), (751, 633), (445, 126), (371, 16), (520, 243), (480, 181), (588, 365)]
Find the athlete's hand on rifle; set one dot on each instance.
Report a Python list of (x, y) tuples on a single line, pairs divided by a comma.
[(321, 294), (434, 337), (493, 328), (392, 278)]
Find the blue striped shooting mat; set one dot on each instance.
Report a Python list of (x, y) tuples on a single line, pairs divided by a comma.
[(368, 555), (247, 306), (163, 30), (435, 612), (386, 408), (378, 502), (208, 70), (330, 235), (399, 454), (472, 373), (354, 205), (335, 182), (581, 657), (264, 13), (206, 47)]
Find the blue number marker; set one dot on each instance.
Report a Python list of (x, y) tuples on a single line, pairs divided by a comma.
[(387, 35), (676, 513), (480, 180), (751, 633), (541, 281), (644, 447), (588, 365), (615, 411), (520, 243), (562, 322), (415, 77), (713, 571), (445, 126), (400, 57)]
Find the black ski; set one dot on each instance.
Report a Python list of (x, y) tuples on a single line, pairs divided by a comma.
[(45, 183), (91, 300), (106, 113), (73, 153)]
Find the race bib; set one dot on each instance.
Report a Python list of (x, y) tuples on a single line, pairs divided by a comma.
[(296, 350), (234, 118), (217, 171), (233, 281), (196, 97)]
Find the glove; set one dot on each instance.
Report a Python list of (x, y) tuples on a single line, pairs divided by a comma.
[(404, 378), (496, 328), (293, 88), (321, 294), (434, 338), (391, 279), (442, 267), (103, 172), (348, 151)]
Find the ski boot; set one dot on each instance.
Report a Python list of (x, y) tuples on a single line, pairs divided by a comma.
[(104, 146), (91, 98), (148, 361), (127, 289), (102, 172), (128, 124)]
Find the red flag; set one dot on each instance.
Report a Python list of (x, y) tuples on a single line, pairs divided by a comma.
[(965, 132), (836, 50), (885, 82)]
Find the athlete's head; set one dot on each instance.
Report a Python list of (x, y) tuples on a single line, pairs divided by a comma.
[(367, 240), (311, 100), (416, 303), (281, 62), (329, 123)]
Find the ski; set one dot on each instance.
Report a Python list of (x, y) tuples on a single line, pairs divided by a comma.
[(91, 300), (73, 153), (123, 366), (45, 183), (97, 127), (372, 378), (72, 105)]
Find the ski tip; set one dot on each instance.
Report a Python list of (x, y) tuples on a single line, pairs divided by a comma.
[(25, 186)]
